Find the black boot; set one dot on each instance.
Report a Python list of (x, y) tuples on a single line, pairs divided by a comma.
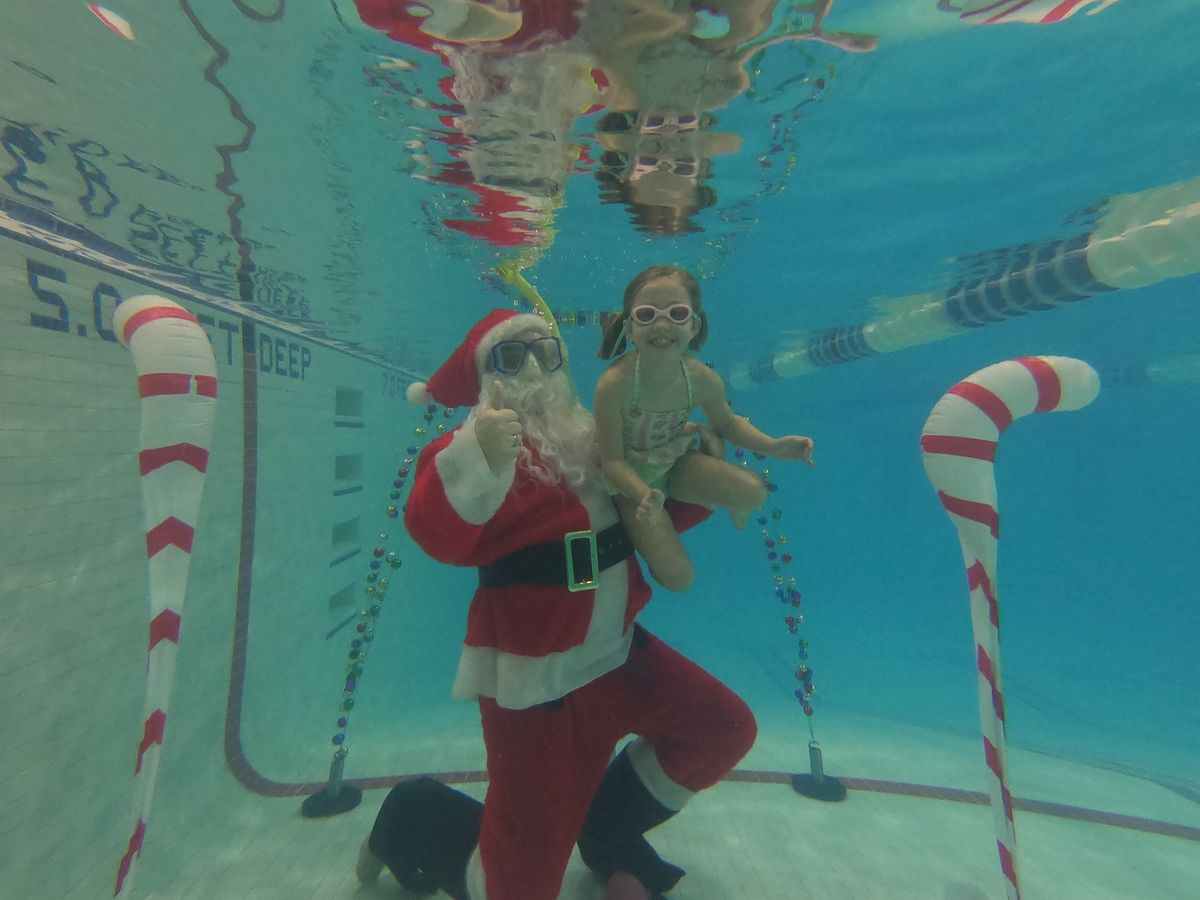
[(425, 833), (611, 840)]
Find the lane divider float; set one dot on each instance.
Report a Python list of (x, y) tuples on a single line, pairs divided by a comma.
[(1137, 240)]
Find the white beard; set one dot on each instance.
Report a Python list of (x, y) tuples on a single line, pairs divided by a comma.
[(556, 424)]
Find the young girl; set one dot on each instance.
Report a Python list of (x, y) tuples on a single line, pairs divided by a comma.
[(642, 407)]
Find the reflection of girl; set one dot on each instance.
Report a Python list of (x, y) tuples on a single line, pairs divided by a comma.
[(657, 164), (643, 405), (690, 55), (669, 64), (659, 179)]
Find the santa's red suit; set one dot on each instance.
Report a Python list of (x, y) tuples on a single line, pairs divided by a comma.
[(561, 676)]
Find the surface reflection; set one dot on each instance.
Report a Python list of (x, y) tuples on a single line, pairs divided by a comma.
[(669, 71), (519, 78), (624, 89)]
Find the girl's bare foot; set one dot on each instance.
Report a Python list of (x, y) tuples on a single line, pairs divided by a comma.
[(651, 505), (740, 517)]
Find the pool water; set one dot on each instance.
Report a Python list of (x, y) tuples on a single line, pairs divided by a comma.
[(878, 201)]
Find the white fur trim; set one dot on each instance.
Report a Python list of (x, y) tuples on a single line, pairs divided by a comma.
[(472, 489), (418, 393), (476, 885), (657, 782), (519, 682)]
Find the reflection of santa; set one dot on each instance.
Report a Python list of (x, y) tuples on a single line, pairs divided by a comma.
[(552, 653), (510, 26), (519, 97)]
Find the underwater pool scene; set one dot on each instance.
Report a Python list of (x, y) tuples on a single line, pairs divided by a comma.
[(967, 633)]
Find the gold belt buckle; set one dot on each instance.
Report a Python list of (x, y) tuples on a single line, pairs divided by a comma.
[(590, 537)]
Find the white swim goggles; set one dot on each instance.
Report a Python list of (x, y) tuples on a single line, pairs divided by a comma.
[(676, 314)]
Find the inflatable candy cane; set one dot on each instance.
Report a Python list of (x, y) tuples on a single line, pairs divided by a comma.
[(958, 444), (1035, 12), (178, 384)]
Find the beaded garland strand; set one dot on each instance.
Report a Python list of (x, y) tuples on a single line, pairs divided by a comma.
[(784, 585), (375, 591), (376, 588)]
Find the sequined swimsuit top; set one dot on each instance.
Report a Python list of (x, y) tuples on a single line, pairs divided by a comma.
[(656, 437)]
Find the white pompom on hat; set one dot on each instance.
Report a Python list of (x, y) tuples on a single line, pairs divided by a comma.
[(458, 382)]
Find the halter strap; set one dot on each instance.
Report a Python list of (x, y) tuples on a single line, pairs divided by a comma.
[(637, 381)]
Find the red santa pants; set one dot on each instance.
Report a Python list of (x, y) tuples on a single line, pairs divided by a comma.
[(545, 762)]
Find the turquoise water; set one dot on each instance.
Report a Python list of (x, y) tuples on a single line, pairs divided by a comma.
[(270, 158)]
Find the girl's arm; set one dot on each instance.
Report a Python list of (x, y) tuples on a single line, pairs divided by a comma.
[(737, 429), (610, 437)]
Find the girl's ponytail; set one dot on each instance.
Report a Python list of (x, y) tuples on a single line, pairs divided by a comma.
[(613, 336)]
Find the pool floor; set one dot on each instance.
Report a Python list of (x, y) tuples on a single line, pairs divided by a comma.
[(741, 839)]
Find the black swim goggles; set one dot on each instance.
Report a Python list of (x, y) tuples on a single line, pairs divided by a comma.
[(508, 357)]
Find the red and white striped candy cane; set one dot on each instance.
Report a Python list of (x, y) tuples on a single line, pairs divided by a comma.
[(177, 381), (1036, 12), (958, 444)]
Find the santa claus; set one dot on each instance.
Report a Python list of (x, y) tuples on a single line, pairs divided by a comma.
[(553, 655)]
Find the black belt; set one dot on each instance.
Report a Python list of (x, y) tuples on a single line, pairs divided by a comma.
[(576, 561)]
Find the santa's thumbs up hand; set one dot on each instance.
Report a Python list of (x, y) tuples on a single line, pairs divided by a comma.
[(498, 430)]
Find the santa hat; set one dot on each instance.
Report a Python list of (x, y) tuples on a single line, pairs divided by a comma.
[(457, 382)]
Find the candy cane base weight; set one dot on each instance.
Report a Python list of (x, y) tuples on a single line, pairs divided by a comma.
[(958, 444), (177, 381)]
